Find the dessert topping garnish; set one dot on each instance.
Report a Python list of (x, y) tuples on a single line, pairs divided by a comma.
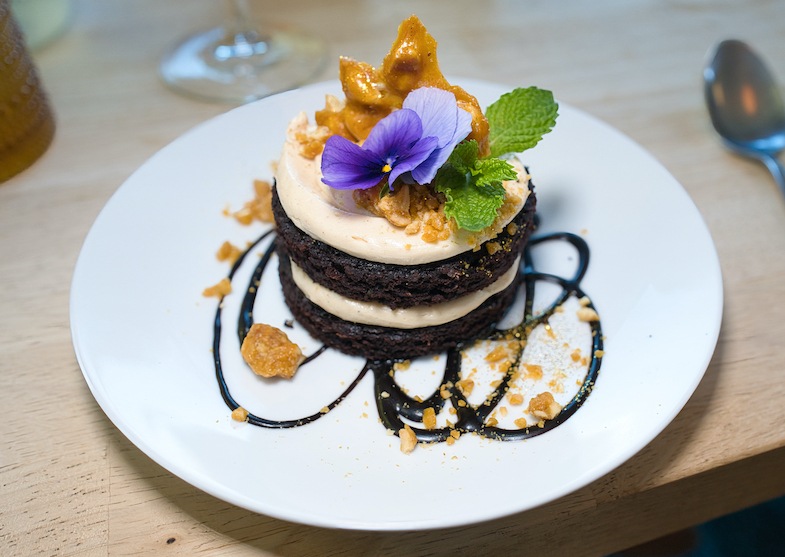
[(410, 144), (431, 138)]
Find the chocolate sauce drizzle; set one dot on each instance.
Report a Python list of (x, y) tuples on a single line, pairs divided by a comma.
[(395, 407)]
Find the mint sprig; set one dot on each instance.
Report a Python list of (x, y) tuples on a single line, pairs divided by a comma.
[(519, 119), (472, 185)]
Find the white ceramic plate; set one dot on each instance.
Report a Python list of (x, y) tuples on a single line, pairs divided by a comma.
[(143, 334)]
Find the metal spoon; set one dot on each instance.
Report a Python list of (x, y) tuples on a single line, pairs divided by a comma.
[(745, 105)]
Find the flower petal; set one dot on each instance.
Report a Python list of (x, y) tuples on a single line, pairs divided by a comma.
[(443, 119), (347, 166), (394, 133), (440, 115), (413, 157)]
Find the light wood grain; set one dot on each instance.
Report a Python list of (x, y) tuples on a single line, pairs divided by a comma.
[(71, 484)]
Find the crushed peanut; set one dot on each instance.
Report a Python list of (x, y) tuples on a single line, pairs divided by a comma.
[(544, 406), (239, 414), (408, 439), (218, 290), (466, 386), (228, 252), (516, 399), (587, 314), (269, 352), (429, 418), (260, 207), (415, 208), (492, 247), (533, 371), (402, 366)]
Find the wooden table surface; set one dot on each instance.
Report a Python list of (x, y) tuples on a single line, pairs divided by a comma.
[(72, 484)]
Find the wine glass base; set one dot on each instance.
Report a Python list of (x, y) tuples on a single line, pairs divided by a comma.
[(213, 66)]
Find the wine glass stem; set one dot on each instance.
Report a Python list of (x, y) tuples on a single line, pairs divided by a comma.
[(242, 40), (239, 22)]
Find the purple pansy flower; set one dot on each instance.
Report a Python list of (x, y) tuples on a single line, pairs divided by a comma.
[(410, 143), (441, 118)]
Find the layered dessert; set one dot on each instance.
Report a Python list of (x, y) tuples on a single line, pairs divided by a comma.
[(402, 209)]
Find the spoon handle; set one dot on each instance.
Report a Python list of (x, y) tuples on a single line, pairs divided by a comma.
[(776, 169)]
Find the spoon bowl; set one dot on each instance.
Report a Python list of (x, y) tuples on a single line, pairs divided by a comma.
[(745, 105)]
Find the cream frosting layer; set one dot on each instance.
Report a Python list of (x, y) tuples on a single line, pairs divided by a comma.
[(331, 216), (373, 313)]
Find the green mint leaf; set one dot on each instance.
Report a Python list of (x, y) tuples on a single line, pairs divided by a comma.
[(464, 157), (519, 119), (472, 187), (473, 208), (493, 171)]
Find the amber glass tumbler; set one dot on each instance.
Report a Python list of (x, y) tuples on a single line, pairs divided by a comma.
[(26, 120)]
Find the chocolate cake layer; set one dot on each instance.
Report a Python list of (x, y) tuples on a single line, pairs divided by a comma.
[(383, 343), (402, 286)]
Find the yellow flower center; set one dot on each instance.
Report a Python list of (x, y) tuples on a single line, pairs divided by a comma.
[(386, 168)]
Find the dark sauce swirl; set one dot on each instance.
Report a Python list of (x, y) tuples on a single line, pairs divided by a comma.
[(395, 407)]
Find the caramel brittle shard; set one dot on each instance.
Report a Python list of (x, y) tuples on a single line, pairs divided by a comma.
[(270, 353), (544, 406)]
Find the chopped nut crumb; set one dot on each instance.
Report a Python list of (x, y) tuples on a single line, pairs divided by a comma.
[(492, 247), (466, 386), (576, 355), (429, 418), (521, 423), (240, 414), (499, 353), (218, 290), (270, 353), (516, 399), (587, 314), (408, 439), (402, 366), (544, 406), (260, 208), (228, 252), (533, 371)]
